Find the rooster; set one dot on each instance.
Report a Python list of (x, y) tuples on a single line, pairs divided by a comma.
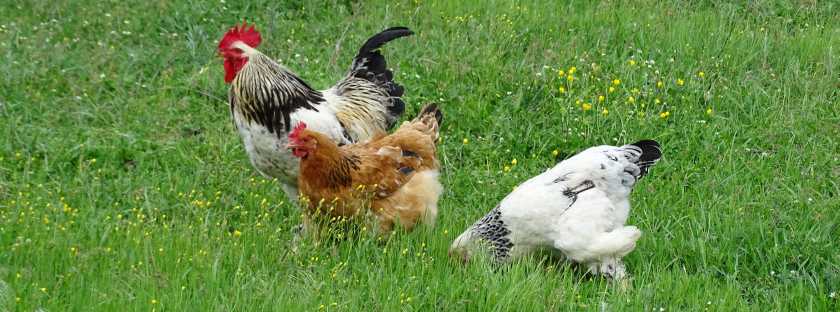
[(578, 208), (267, 100), (395, 176)]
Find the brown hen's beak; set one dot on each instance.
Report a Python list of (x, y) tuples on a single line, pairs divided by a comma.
[(292, 145)]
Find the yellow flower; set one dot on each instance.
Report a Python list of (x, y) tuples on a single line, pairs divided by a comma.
[(601, 98), (237, 233), (657, 101), (631, 99), (561, 73), (664, 115), (572, 70), (660, 84), (701, 74), (709, 111), (466, 141), (507, 168), (154, 301), (631, 62), (605, 112), (611, 89), (616, 82), (570, 78), (680, 82), (555, 153), (562, 89), (586, 106), (513, 162)]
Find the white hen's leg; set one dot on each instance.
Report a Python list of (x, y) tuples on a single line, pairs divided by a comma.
[(610, 267), (611, 246)]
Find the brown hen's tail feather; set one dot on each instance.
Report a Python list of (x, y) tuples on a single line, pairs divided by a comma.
[(430, 118)]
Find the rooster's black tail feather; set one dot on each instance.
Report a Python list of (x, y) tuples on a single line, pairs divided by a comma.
[(369, 64)]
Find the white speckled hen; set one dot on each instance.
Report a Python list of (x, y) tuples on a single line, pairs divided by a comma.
[(578, 208), (267, 100)]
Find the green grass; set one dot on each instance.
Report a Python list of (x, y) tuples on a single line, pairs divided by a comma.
[(123, 184)]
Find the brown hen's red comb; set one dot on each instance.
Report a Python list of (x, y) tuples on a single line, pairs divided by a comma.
[(295, 134), (248, 35)]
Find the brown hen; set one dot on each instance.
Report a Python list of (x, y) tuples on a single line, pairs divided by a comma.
[(392, 177)]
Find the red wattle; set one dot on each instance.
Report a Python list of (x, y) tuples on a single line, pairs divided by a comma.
[(232, 67)]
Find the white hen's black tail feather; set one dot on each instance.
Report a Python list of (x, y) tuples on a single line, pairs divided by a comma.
[(369, 64), (650, 155)]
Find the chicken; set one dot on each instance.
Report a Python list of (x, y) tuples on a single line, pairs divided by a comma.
[(393, 177), (267, 100), (578, 208)]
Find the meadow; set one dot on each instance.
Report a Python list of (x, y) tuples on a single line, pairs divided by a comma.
[(123, 185)]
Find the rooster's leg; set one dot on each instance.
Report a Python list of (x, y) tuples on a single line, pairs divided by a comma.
[(291, 192)]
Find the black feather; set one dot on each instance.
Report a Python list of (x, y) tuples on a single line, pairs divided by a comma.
[(651, 152), (396, 109), (369, 64), (492, 229), (406, 170), (380, 39)]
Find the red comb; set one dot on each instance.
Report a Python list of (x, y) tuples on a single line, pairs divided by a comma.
[(248, 35), (296, 131)]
